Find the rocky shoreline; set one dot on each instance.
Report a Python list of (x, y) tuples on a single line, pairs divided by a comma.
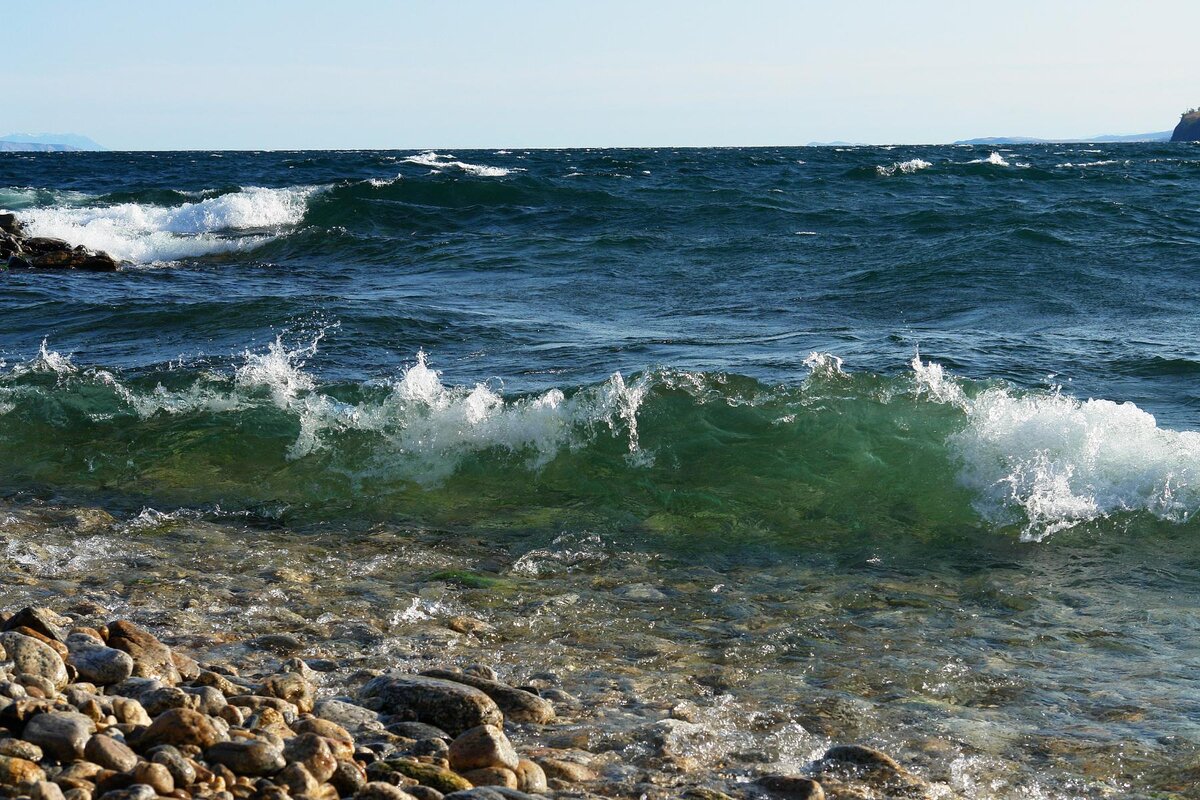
[(20, 251), (92, 709)]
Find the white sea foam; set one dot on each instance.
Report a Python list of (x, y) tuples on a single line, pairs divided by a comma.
[(1087, 164), (904, 167), (438, 161), (994, 158), (1061, 461), (425, 427), (823, 364), (146, 233)]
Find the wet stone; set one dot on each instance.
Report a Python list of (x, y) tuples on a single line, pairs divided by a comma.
[(517, 705), (449, 705), (348, 715), (530, 777), (378, 790), (480, 748), (491, 776), (291, 687), (792, 787), (152, 658)]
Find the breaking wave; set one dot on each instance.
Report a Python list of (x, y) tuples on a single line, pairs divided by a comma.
[(147, 233), (441, 162), (904, 167), (966, 453)]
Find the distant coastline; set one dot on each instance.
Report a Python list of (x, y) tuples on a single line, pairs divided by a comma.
[(47, 143)]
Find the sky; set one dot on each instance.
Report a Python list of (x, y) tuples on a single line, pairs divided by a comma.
[(354, 74)]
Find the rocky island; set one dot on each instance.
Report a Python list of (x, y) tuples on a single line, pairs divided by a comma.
[(1188, 129), (19, 251)]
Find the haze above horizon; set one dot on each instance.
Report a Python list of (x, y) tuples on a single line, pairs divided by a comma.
[(539, 74)]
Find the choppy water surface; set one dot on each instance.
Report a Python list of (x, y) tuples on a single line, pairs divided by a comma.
[(888, 445)]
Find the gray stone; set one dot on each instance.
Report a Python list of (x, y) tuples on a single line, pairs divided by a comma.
[(489, 793), (211, 701), (34, 658), (182, 772), (97, 663), (518, 705), (138, 791), (350, 716), (61, 734), (45, 790), (11, 225), (378, 790), (450, 705), (418, 730), (42, 620), (247, 756), (793, 787), (15, 748)]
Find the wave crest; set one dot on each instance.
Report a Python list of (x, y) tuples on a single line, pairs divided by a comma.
[(145, 233)]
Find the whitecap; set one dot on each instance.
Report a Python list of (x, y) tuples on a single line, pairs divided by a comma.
[(439, 162), (995, 159), (145, 233), (904, 167), (1060, 461)]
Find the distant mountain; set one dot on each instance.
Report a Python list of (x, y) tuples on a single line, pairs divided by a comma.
[(1188, 129), (50, 141), (33, 147), (1108, 138)]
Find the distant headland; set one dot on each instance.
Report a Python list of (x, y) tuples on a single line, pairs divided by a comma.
[(47, 143), (1188, 129)]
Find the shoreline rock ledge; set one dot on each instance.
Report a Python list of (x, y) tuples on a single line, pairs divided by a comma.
[(19, 251), (1188, 129)]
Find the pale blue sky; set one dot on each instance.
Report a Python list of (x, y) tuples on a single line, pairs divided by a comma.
[(351, 74)]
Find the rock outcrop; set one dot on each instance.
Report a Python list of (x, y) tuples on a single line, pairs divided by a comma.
[(19, 251), (1188, 129)]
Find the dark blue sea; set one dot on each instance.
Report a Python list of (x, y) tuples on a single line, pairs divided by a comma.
[(931, 414)]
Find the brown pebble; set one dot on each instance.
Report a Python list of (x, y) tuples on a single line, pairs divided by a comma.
[(109, 753), (156, 776), (567, 771), (531, 779), (492, 776)]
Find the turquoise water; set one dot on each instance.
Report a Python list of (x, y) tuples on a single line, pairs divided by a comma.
[(949, 393)]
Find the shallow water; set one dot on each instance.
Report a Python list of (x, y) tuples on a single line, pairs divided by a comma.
[(884, 445)]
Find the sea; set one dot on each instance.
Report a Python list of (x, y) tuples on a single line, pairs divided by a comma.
[(890, 445)]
